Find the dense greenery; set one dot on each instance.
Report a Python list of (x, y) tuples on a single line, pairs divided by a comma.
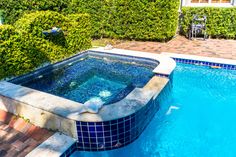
[(76, 31), (23, 47), (6, 31), (21, 53), (14, 9), (221, 22), (129, 19)]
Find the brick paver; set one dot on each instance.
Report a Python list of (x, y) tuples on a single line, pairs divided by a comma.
[(18, 137), (219, 48)]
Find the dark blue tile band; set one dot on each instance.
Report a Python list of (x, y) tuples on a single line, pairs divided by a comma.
[(204, 63), (114, 134)]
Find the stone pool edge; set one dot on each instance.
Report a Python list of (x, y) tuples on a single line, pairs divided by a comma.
[(166, 64), (229, 64)]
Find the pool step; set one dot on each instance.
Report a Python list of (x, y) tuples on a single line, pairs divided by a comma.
[(121, 95)]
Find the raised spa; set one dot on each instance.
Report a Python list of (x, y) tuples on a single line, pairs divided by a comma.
[(103, 98), (93, 76)]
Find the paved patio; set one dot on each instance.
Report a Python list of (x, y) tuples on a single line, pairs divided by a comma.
[(219, 48), (18, 137)]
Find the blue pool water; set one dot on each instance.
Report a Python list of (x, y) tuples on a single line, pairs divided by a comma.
[(107, 79), (201, 123), (98, 87)]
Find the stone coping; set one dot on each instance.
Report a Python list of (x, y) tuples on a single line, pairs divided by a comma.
[(54, 146), (138, 98), (72, 110), (166, 64), (134, 101), (200, 58)]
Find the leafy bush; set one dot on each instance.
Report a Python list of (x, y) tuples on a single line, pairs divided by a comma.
[(24, 47), (76, 31), (129, 19), (14, 9), (20, 54), (221, 22), (95, 8), (6, 31)]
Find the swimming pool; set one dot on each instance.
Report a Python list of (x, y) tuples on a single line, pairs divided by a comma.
[(200, 123)]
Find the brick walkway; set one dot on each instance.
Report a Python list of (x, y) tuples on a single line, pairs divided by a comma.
[(17, 137), (210, 48)]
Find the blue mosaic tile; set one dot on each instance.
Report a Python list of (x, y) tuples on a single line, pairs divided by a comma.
[(204, 63)]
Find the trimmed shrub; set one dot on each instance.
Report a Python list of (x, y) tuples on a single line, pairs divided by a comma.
[(24, 47), (98, 9), (76, 34), (20, 54), (221, 22), (130, 19), (14, 9), (6, 31), (123, 19)]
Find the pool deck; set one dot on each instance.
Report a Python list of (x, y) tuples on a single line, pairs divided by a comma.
[(218, 48), (18, 137)]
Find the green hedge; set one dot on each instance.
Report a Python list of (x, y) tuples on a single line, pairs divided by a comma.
[(130, 19), (76, 32), (221, 22), (14, 9), (124, 19), (20, 53), (24, 47), (6, 31)]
